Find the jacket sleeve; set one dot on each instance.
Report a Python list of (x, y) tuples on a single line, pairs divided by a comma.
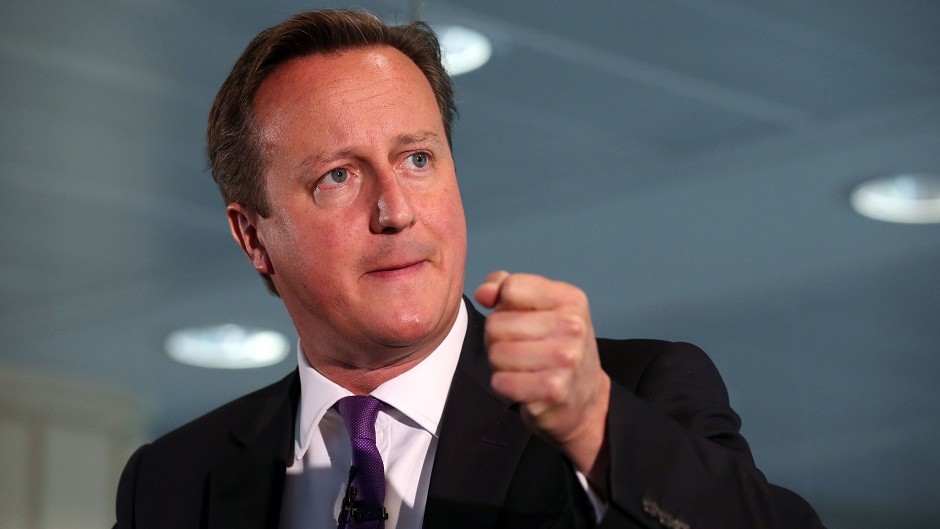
[(678, 459)]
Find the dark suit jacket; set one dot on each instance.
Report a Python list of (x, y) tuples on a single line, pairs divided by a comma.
[(677, 459)]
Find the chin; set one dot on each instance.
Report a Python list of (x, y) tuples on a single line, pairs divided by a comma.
[(411, 327)]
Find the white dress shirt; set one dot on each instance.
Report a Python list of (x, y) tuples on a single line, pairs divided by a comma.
[(406, 433)]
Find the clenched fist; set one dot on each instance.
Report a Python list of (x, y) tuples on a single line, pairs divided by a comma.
[(544, 355)]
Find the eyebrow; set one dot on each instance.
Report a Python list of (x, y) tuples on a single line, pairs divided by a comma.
[(418, 137), (324, 158), (404, 139)]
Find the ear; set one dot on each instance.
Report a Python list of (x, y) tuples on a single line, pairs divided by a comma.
[(243, 222)]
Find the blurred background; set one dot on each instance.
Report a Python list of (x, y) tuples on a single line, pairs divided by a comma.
[(687, 162)]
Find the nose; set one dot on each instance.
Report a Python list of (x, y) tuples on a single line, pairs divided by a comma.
[(394, 211)]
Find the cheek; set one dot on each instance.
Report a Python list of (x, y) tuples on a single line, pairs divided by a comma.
[(294, 244), (279, 238), (455, 215), (328, 249), (446, 208), (451, 227)]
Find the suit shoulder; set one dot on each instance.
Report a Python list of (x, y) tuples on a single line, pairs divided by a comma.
[(629, 361), (165, 482), (213, 427)]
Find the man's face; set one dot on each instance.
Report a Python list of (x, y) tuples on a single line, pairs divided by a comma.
[(366, 236)]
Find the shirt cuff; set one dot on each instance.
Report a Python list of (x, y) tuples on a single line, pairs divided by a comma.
[(599, 505)]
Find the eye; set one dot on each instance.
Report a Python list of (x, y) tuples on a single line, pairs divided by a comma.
[(336, 176), (338, 187), (420, 159)]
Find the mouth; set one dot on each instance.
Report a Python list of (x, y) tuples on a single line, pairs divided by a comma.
[(397, 269)]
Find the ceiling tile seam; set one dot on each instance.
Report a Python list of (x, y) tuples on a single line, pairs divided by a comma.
[(916, 116), (638, 149), (688, 87), (677, 83), (796, 32)]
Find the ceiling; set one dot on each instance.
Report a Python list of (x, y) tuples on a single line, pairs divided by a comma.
[(686, 162)]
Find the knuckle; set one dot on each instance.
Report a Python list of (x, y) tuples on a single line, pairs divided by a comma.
[(572, 325), (566, 356), (511, 287), (572, 295), (578, 297)]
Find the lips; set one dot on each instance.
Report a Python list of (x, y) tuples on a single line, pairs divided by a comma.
[(391, 257), (397, 268)]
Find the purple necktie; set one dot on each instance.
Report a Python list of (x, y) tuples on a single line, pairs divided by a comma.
[(363, 505)]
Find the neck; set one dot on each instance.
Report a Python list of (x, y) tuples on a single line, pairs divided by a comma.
[(362, 380), (362, 364)]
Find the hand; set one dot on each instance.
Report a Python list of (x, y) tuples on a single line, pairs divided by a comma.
[(542, 348)]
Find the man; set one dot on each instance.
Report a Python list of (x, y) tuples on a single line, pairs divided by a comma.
[(330, 141)]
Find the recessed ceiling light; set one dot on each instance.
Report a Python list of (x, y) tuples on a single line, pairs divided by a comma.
[(912, 198), (226, 346), (462, 49)]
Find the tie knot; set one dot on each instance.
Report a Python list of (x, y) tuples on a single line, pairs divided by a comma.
[(359, 413)]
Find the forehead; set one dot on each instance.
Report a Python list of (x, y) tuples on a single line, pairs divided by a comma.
[(368, 83)]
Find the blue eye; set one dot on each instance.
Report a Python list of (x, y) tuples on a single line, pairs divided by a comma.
[(420, 159), (337, 187), (337, 176)]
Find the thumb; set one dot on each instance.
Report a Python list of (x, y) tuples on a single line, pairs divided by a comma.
[(487, 294)]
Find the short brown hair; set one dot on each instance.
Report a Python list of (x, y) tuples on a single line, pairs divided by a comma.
[(233, 146)]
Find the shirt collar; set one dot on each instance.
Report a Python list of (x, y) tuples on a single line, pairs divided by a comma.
[(418, 393)]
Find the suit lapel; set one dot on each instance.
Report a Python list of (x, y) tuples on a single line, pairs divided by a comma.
[(480, 445), (246, 491)]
